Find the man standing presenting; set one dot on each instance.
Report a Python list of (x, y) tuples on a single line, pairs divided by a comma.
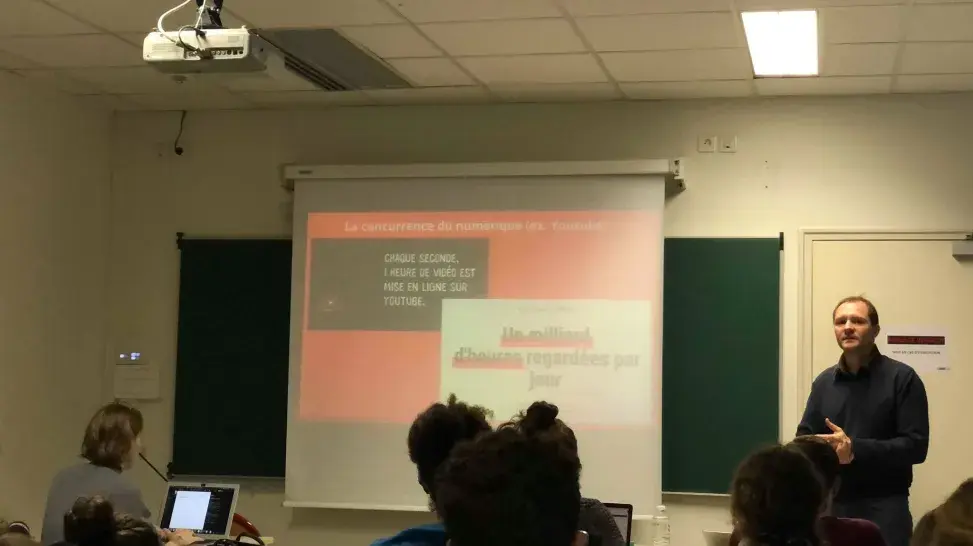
[(873, 411)]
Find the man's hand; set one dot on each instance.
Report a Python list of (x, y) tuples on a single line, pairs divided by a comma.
[(839, 441)]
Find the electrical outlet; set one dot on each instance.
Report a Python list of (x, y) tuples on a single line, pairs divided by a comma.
[(728, 145), (706, 144)]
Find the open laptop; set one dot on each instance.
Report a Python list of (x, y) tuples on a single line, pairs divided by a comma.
[(204, 508), (622, 513)]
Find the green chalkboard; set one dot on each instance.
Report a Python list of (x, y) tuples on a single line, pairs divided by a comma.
[(721, 347), (720, 358), (231, 361)]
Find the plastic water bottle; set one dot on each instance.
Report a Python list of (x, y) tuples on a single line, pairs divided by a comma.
[(661, 535)]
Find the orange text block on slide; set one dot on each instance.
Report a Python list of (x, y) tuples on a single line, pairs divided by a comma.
[(376, 283)]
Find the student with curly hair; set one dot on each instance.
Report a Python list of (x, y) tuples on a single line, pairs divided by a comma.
[(777, 498), (93, 522), (594, 517), (513, 487), (834, 530), (432, 437)]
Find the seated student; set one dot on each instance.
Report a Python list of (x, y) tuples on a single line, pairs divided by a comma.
[(835, 531), (511, 488), (595, 519), (93, 522), (776, 499), (951, 523), (432, 436), (110, 446)]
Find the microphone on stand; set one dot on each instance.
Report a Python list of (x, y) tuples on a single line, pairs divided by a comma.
[(152, 466)]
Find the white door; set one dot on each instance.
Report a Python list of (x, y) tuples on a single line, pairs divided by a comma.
[(913, 283)]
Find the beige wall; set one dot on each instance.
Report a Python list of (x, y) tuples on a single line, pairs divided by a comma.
[(901, 162), (54, 185)]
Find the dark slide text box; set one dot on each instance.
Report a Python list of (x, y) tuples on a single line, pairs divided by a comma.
[(392, 284)]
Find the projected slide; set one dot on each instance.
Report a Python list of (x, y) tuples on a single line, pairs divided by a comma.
[(501, 308)]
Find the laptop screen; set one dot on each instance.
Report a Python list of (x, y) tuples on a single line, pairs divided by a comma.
[(622, 514), (203, 509)]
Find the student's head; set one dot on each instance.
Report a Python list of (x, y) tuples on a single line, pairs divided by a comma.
[(958, 508), (112, 438), (951, 524), (777, 497), (512, 487), (824, 459), (541, 419), (937, 529), (437, 430), (93, 522), (855, 324)]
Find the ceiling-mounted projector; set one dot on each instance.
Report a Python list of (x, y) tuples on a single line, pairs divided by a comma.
[(191, 51)]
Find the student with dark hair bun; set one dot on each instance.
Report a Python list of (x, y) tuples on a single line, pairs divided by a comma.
[(110, 446), (93, 522), (777, 498), (517, 486), (540, 420), (432, 437)]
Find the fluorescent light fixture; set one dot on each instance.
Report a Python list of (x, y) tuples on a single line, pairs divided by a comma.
[(782, 43)]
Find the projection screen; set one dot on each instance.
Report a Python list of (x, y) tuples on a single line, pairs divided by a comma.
[(502, 288)]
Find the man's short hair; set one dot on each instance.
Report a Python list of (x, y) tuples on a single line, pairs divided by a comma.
[(872, 312), (822, 456), (110, 435), (510, 488)]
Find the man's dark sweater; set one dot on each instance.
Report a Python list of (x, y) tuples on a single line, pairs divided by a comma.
[(883, 409)]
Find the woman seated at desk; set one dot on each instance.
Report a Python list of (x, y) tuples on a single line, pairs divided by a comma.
[(110, 445)]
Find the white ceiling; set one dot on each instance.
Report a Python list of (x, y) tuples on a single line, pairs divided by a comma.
[(460, 51)]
